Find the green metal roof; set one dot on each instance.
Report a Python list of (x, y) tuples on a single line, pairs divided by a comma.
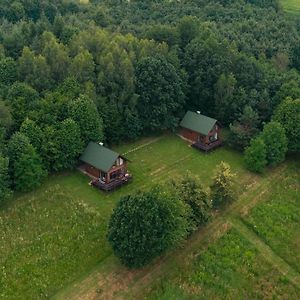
[(99, 156), (198, 123)]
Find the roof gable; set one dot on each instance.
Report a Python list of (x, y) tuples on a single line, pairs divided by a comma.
[(198, 123), (99, 156)]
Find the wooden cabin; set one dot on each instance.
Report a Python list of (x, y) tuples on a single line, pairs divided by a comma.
[(202, 131), (107, 168)]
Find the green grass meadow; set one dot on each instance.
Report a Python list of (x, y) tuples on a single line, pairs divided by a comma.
[(291, 6), (231, 268), (277, 219), (257, 257), (57, 233), (53, 240)]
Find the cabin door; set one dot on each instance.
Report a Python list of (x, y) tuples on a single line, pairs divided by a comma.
[(103, 176)]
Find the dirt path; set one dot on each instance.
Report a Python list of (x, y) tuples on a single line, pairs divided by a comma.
[(110, 280), (152, 141)]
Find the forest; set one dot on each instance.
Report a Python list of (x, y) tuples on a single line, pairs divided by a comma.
[(113, 71), (190, 224)]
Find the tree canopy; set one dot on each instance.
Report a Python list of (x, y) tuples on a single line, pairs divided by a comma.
[(117, 70), (145, 225)]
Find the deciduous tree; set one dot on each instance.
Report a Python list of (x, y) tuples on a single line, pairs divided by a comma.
[(25, 165), (5, 191), (288, 115), (276, 142), (84, 112), (256, 155), (189, 190), (145, 225), (222, 188), (161, 94)]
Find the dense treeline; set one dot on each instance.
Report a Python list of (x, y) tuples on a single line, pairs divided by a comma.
[(115, 70)]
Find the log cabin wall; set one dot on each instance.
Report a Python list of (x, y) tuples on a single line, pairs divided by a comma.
[(92, 171), (189, 134)]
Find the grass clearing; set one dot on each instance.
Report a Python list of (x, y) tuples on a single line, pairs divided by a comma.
[(57, 233), (54, 239), (46, 237), (231, 268), (291, 6), (277, 220)]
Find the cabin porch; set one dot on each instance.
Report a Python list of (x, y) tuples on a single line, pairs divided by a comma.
[(112, 185), (207, 147)]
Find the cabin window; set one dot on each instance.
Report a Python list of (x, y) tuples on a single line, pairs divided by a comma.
[(119, 162)]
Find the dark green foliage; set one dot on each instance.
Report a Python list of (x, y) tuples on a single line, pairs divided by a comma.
[(34, 70), (256, 155), (161, 94), (28, 170), (244, 129), (222, 188), (6, 120), (205, 60), (163, 33), (188, 28), (5, 191), (24, 163), (22, 99), (288, 115), (145, 225), (83, 67), (84, 112), (224, 96), (229, 59), (189, 190), (33, 132), (289, 89), (70, 145), (8, 71), (296, 57), (276, 142)]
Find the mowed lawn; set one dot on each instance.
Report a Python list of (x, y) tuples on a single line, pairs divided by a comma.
[(291, 6), (56, 234)]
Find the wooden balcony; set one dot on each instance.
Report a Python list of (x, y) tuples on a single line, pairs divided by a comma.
[(114, 184), (207, 147)]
